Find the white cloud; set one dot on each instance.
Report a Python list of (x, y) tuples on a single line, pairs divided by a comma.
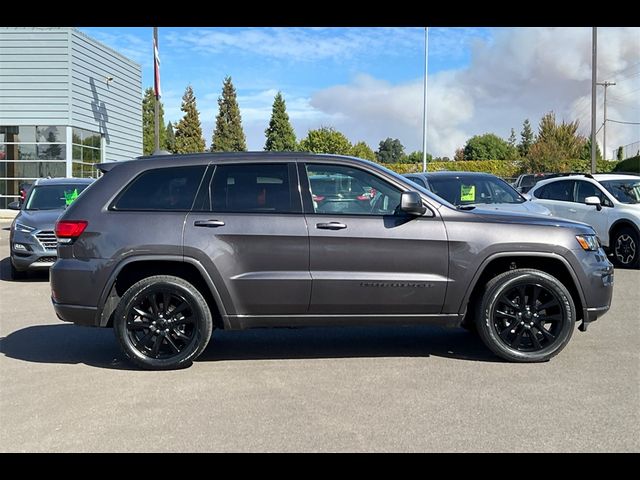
[(520, 73)]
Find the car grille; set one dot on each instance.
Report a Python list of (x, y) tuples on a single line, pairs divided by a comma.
[(46, 260), (47, 239)]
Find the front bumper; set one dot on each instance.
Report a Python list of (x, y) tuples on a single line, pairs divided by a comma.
[(38, 250), (597, 286), (33, 260)]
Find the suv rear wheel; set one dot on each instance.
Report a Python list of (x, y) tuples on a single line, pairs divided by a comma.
[(626, 248), (162, 322), (525, 315)]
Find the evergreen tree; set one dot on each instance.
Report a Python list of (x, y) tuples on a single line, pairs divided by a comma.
[(620, 153), (188, 130), (526, 139), (228, 135), (148, 122), (280, 134), (170, 142), (512, 138)]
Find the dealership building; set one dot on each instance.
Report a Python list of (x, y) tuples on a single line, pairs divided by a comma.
[(66, 102)]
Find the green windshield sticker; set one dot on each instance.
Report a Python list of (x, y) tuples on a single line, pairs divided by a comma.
[(69, 197), (467, 193)]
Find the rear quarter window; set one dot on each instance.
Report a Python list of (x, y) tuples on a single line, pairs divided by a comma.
[(171, 188)]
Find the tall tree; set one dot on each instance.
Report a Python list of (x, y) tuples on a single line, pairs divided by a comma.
[(416, 157), (228, 135), (487, 147), (585, 153), (620, 153), (326, 140), (512, 138), (148, 122), (526, 139), (555, 145), (280, 134), (170, 139), (362, 150), (189, 130), (390, 150)]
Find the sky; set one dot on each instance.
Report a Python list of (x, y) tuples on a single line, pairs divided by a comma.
[(368, 82)]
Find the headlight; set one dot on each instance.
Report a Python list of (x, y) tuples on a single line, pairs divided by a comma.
[(588, 242), (21, 227)]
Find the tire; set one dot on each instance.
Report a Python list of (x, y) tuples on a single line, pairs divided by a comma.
[(514, 332), (16, 274), (168, 335), (625, 247)]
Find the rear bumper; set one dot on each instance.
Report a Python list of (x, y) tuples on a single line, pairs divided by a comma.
[(78, 314)]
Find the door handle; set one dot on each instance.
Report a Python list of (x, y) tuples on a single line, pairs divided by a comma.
[(573, 210), (209, 223), (331, 226)]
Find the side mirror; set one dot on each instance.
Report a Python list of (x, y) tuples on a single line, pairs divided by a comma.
[(526, 195), (14, 205), (595, 201), (411, 203)]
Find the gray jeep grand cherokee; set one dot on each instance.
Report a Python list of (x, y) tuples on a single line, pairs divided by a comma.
[(164, 249)]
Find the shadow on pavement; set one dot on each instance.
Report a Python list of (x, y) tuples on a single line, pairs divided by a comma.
[(98, 347), (5, 273)]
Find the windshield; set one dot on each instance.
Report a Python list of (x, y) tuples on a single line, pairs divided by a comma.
[(53, 197), (625, 191), (473, 190)]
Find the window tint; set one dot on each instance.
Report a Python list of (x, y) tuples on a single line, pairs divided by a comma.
[(350, 191), (474, 189), (587, 189), (162, 189), (253, 188), (562, 191)]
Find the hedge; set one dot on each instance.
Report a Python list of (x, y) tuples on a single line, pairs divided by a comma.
[(629, 165), (501, 168)]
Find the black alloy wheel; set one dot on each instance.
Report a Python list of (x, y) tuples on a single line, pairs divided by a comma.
[(162, 322), (525, 315)]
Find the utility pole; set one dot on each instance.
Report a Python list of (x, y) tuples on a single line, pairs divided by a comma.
[(424, 116), (604, 122), (594, 68), (157, 90)]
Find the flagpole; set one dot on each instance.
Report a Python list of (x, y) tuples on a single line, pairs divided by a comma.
[(157, 91)]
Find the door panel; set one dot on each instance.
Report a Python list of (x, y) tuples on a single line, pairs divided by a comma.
[(365, 258), (378, 265), (252, 237)]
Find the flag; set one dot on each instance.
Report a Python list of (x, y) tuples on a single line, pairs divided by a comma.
[(156, 69)]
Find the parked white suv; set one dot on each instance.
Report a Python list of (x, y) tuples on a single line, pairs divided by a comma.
[(610, 203)]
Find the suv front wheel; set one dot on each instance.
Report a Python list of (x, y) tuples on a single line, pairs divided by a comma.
[(162, 322), (525, 315)]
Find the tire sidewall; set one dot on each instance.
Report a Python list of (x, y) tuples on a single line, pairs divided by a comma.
[(490, 336), (188, 354)]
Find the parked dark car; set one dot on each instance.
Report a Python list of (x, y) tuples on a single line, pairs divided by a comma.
[(32, 239), (164, 249), (478, 189), (527, 181)]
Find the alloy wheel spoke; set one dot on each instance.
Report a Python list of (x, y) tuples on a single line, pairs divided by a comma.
[(535, 295), (145, 338), (505, 314), (154, 304), (142, 313), (166, 299), (132, 325), (179, 309), (546, 333), (516, 341), (550, 318), (534, 339), (548, 304), (522, 294), (185, 321), (181, 335), (173, 346), (155, 351)]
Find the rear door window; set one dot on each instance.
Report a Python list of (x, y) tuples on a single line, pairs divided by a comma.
[(561, 191), (171, 188)]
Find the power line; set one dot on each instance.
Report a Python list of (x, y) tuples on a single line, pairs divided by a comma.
[(620, 121)]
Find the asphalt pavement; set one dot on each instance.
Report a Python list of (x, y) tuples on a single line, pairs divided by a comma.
[(380, 389)]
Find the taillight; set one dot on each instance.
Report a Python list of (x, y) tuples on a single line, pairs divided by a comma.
[(70, 229), (362, 197), (318, 198)]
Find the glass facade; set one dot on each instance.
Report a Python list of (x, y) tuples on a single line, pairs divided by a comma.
[(31, 152)]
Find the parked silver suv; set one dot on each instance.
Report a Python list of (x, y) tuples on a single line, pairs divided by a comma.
[(165, 249)]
